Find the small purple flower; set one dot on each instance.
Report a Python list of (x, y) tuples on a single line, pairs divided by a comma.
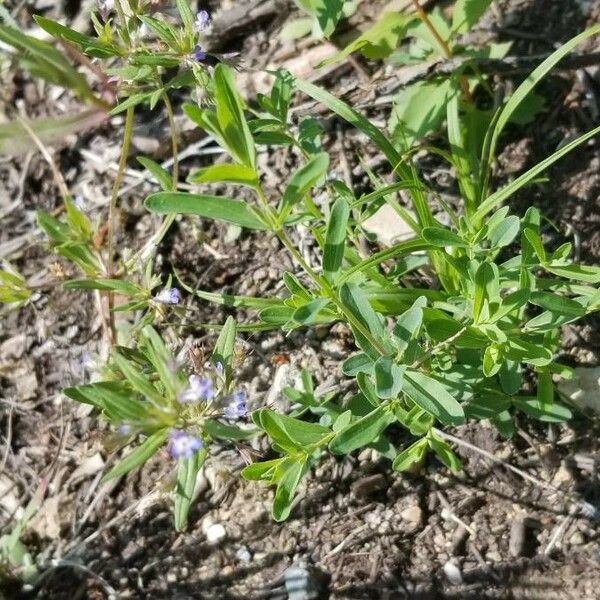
[(168, 296), (236, 405), (105, 6), (183, 445), (79, 203), (124, 429), (215, 368), (198, 54), (202, 21), (200, 388)]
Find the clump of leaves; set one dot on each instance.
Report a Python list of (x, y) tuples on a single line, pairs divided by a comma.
[(427, 357)]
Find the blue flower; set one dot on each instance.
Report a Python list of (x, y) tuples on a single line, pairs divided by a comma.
[(168, 296), (202, 21), (79, 203), (183, 445), (236, 405), (198, 54), (199, 388)]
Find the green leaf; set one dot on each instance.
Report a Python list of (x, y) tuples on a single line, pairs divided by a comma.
[(303, 180), (139, 456), (432, 397), (135, 378), (487, 405), (361, 432), (536, 242), (115, 399), (292, 472), (45, 61), (187, 472), (517, 98), (419, 110), (225, 346), (230, 116), (553, 413), (225, 431), (379, 41), (357, 303), (410, 456), (161, 175), (357, 120), (296, 28), (442, 237), (504, 232), (226, 173), (589, 274), (290, 433), (261, 470), (358, 363), (308, 314), (388, 377), (467, 13), (130, 102), (557, 304), (444, 452), (115, 285), (510, 377), (210, 207), (486, 280), (163, 31), (333, 253), (497, 197), (89, 45), (523, 350), (409, 324), (16, 140)]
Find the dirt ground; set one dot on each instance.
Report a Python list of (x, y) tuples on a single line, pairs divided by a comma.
[(357, 530)]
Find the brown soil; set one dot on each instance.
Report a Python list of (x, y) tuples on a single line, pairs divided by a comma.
[(360, 530)]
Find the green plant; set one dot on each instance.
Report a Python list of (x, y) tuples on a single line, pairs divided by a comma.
[(428, 356), (323, 16)]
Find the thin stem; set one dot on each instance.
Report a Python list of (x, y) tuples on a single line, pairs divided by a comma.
[(116, 185), (112, 208), (434, 32), (443, 44), (173, 129)]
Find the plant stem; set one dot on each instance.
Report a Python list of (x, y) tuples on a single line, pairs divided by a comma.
[(113, 205), (173, 130), (443, 44)]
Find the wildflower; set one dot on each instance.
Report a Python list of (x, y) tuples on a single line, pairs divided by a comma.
[(124, 429), (105, 6), (216, 368), (168, 296), (202, 21), (236, 406), (200, 388), (183, 445), (198, 54), (79, 203)]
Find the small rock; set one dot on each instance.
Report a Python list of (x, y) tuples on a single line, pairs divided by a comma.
[(577, 539), (303, 583), (452, 572), (214, 532), (243, 554), (516, 544), (365, 486), (14, 347), (412, 514), (387, 225)]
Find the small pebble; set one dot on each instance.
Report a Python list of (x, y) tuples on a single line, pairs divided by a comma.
[(452, 572)]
